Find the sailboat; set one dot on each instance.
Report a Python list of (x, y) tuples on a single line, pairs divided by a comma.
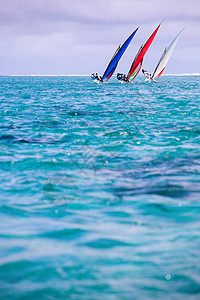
[(163, 60), (138, 60), (115, 59)]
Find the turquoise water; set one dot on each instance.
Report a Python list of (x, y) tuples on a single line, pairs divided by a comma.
[(100, 188)]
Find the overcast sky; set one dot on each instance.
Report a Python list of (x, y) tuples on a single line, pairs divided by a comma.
[(80, 36)]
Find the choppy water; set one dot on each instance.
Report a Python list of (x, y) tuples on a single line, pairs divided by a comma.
[(100, 189)]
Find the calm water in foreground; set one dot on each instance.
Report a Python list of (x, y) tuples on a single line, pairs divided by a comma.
[(100, 188)]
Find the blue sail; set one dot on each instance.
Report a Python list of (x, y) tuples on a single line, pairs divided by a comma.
[(116, 57)]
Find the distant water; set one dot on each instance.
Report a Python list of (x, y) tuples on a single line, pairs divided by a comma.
[(100, 188)]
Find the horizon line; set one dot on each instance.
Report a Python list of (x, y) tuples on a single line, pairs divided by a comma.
[(84, 75)]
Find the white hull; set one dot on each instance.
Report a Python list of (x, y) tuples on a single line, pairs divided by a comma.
[(123, 81)]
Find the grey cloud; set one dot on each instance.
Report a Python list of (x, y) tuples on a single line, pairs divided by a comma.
[(94, 12), (85, 33)]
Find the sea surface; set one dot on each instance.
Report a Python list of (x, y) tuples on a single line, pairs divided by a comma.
[(100, 188)]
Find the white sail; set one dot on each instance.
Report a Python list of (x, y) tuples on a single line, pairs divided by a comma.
[(165, 58)]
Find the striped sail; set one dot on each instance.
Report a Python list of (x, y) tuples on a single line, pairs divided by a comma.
[(165, 58), (137, 63), (116, 57)]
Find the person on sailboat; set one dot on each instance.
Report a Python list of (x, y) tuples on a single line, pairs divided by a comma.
[(119, 76), (147, 75), (96, 77), (125, 78)]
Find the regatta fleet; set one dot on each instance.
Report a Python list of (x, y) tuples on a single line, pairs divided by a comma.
[(137, 61)]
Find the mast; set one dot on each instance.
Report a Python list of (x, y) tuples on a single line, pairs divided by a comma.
[(117, 56), (137, 63), (165, 58), (135, 60), (110, 63), (159, 62)]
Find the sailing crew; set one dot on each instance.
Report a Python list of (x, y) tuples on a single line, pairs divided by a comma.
[(125, 78), (122, 77), (147, 75), (95, 76), (119, 76)]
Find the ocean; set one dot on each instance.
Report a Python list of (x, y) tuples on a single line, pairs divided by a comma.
[(100, 188)]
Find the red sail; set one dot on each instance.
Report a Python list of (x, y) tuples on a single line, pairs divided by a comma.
[(139, 58)]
